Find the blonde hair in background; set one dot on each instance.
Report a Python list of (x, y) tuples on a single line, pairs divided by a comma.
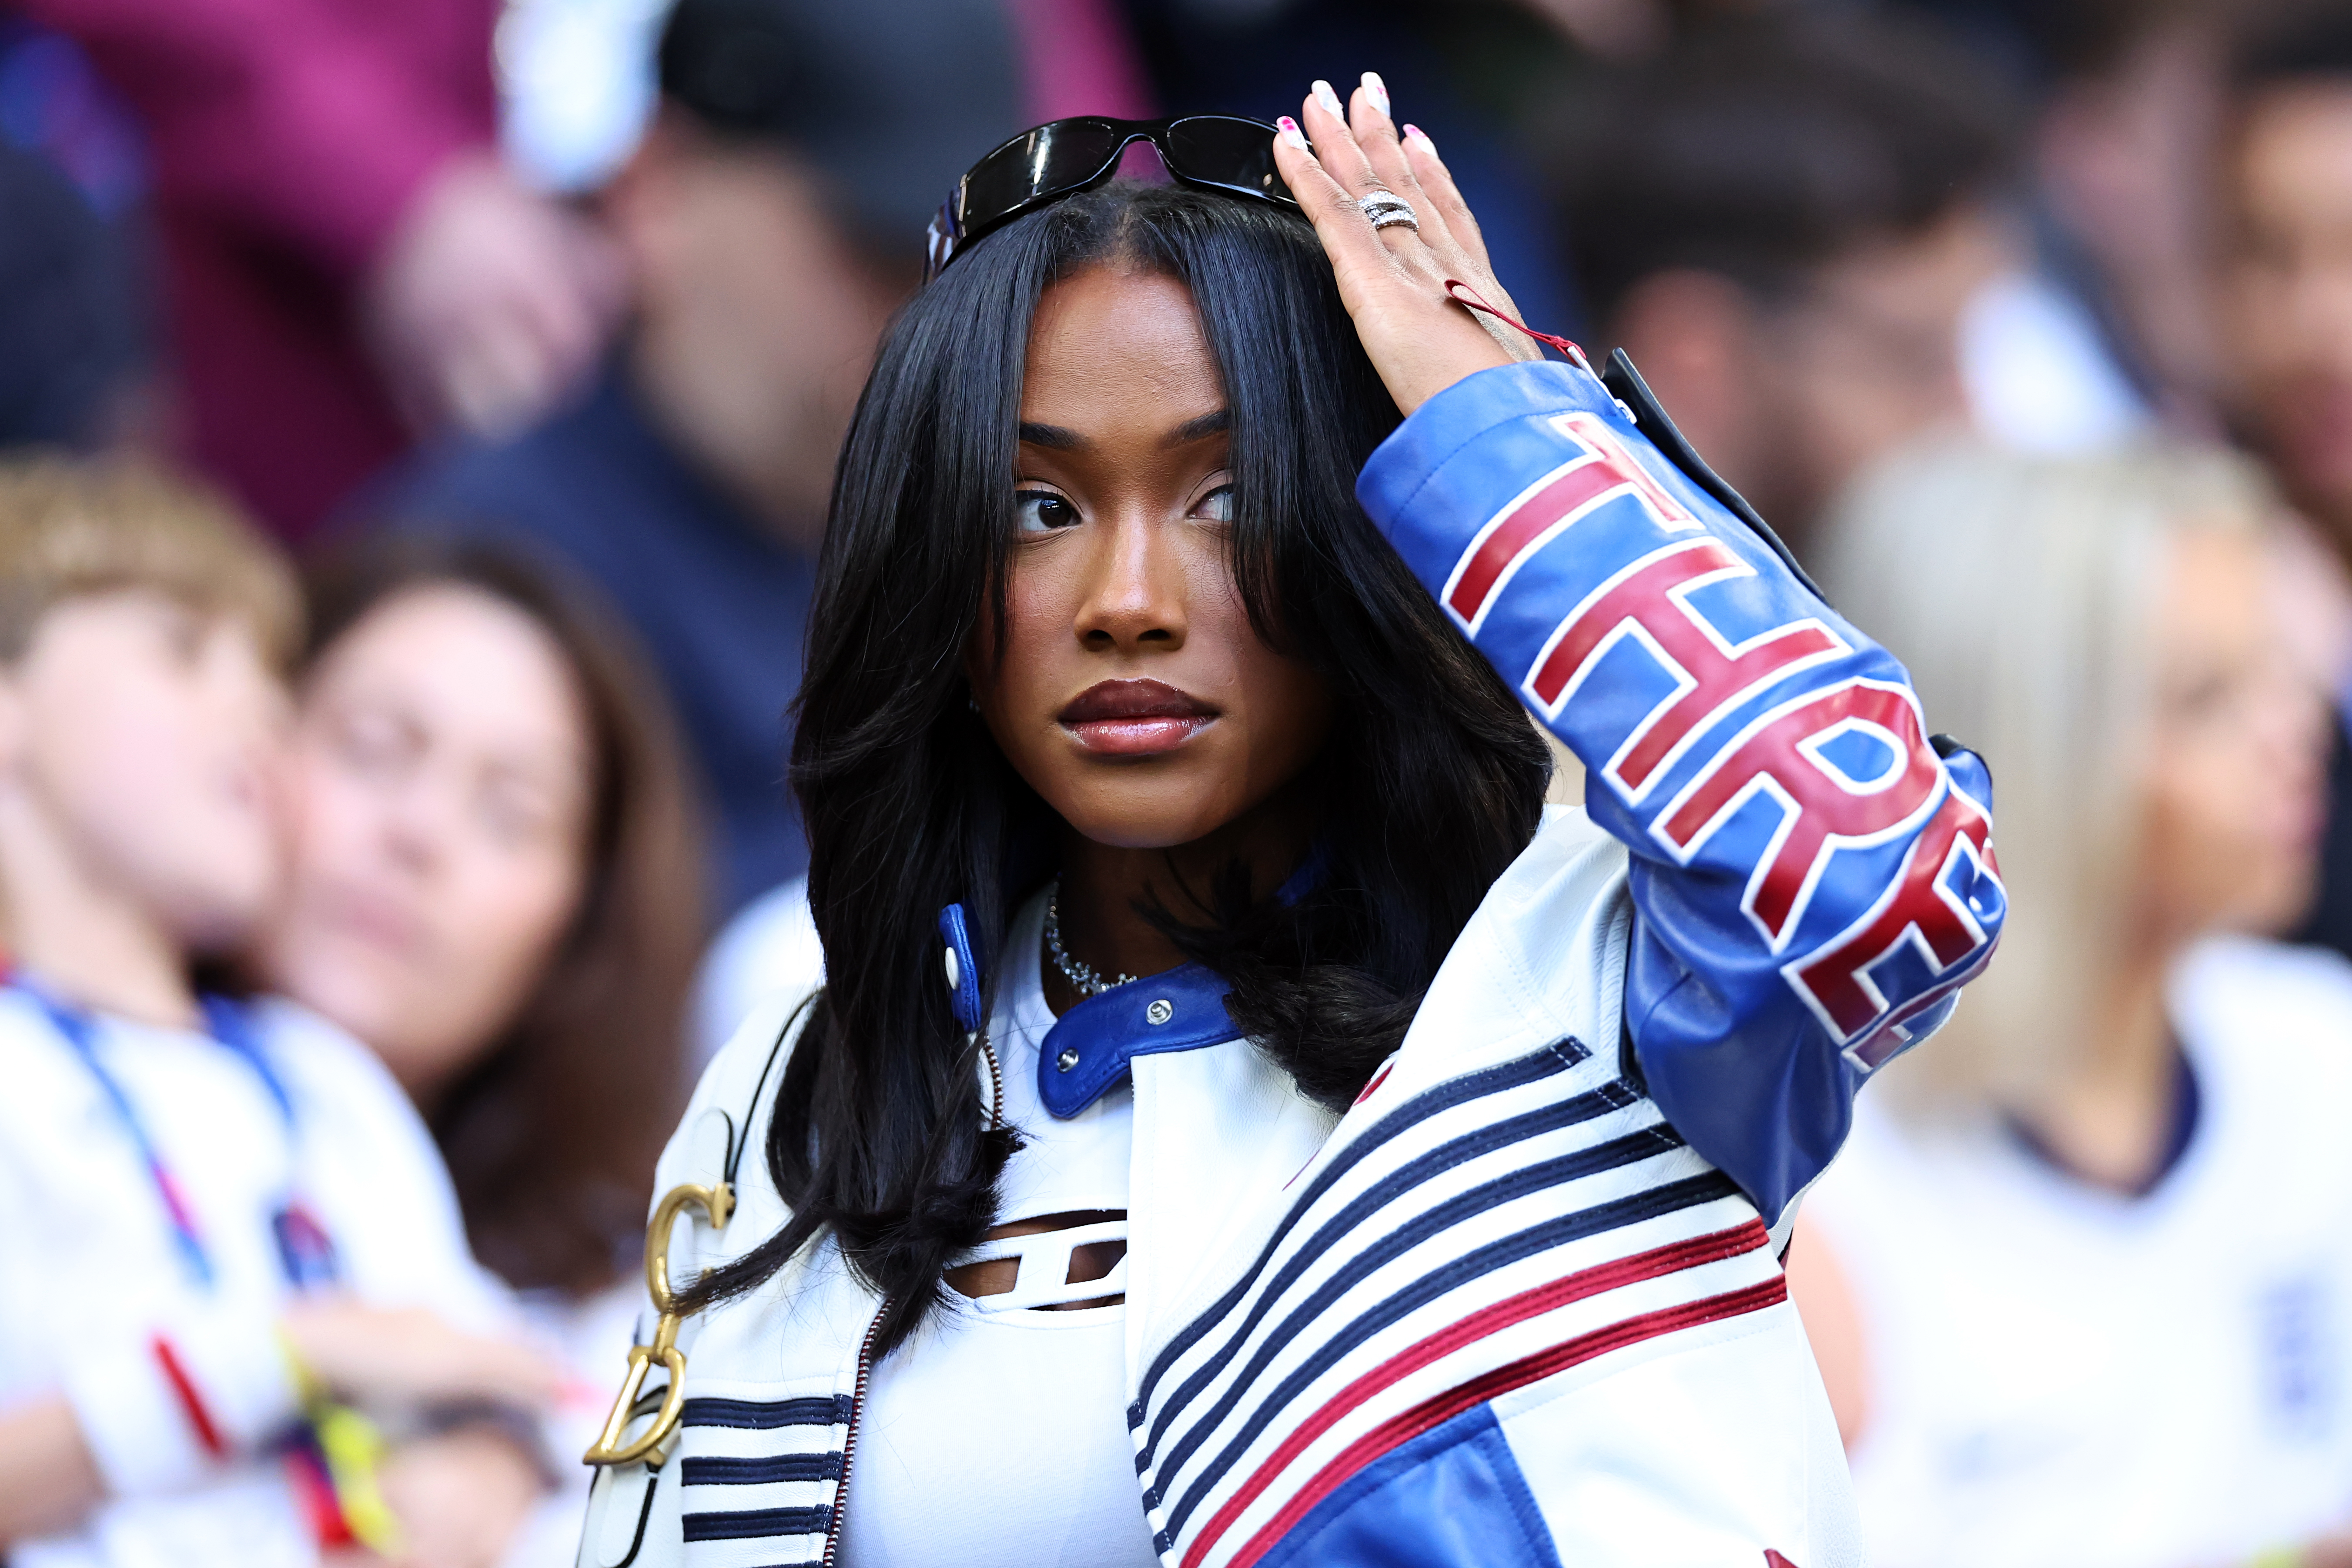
[(72, 526), (2021, 594)]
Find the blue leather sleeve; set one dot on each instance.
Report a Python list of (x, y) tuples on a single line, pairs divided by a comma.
[(1812, 880)]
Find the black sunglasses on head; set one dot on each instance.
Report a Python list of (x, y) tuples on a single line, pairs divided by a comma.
[(1213, 151)]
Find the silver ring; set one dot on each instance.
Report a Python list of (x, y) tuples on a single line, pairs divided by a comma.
[(1387, 209)]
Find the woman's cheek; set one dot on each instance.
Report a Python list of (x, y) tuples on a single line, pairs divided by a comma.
[(522, 911), (329, 817)]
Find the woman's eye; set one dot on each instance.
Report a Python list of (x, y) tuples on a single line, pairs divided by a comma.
[(1217, 506), (373, 743), (517, 817), (1043, 511)]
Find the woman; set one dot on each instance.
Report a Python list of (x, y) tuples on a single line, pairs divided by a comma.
[(2082, 1286), (492, 883), (1348, 1231)]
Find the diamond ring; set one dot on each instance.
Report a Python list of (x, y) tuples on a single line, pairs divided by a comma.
[(1386, 208)]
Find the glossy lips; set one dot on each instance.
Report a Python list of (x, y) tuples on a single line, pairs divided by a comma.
[(1135, 718)]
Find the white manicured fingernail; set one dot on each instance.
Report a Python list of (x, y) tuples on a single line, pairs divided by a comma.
[(1329, 99), (1378, 91), (1415, 133), (1291, 133)]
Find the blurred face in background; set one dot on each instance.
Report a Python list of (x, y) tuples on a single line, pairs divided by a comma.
[(2287, 290), (1788, 397), (440, 802), (147, 732), (2233, 782), (756, 318), (1868, 356)]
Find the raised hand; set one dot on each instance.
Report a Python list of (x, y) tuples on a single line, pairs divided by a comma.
[(1393, 278)]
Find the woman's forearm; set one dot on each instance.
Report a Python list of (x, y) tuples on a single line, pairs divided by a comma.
[(50, 1480), (1812, 879)]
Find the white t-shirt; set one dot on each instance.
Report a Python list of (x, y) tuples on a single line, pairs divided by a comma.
[(2061, 1374), (770, 946), (94, 1279), (998, 1438)]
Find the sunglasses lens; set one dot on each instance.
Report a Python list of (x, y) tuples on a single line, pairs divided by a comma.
[(1237, 155), (1047, 161)]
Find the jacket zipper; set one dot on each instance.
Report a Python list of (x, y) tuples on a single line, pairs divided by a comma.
[(849, 1444), (840, 1520), (995, 1083)]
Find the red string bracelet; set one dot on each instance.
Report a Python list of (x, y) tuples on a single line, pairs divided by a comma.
[(1463, 294)]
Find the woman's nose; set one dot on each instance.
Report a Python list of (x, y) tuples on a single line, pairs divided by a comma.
[(1135, 593), (415, 822)]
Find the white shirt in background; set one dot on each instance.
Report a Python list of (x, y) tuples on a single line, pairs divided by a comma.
[(2037, 374), (92, 1274), (2059, 1374), (771, 946)]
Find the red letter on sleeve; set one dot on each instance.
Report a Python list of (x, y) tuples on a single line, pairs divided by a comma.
[(1821, 806)]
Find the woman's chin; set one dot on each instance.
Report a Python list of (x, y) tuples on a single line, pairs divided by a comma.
[(1144, 819)]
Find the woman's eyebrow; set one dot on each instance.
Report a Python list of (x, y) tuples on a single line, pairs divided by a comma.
[(1062, 438), (1059, 437), (1207, 425)]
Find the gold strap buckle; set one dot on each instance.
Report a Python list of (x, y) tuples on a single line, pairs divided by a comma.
[(717, 1201)]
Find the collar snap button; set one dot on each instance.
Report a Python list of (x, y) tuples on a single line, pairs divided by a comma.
[(1159, 1012), (1066, 1060)]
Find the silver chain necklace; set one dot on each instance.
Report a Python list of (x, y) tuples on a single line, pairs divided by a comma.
[(1083, 976)]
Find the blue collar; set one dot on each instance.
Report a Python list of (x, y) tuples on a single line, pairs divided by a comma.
[(1087, 1049)]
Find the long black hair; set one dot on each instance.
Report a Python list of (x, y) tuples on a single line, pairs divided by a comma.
[(1431, 779)]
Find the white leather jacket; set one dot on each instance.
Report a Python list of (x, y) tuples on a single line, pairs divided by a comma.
[(1500, 1278)]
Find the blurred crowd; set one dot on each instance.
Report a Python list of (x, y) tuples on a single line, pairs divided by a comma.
[(415, 428)]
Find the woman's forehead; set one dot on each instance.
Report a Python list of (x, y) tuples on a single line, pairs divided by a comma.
[(478, 664), (1116, 348)]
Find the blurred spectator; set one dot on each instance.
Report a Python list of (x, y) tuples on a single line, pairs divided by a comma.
[(338, 237), (1249, 57), (2286, 308), (54, 104), (773, 218), (73, 347), (2125, 108), (1781, 220), (76, 329), (2123, 151), (224, 1216), (493, 883), (2081, 1284)]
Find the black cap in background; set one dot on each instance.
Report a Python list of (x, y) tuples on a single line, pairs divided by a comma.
[(891, 100)]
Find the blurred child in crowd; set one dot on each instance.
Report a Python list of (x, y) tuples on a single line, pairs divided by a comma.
[(2081, 1285), (1781, 220), (495, 882), (225, 1217)]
